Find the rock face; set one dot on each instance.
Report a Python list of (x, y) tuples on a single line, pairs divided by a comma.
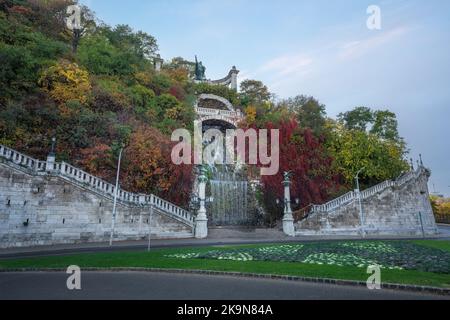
[(394, 208), (49, 209)]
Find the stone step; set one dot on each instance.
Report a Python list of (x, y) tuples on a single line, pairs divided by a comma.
[(246, 233)]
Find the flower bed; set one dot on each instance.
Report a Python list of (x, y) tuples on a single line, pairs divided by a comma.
[(388, 255)]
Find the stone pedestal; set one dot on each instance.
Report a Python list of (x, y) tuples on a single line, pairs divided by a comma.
[(201, 226), (288, 225), (51, 160)]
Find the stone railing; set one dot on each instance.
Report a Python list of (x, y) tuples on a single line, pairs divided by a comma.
[(211, 112), (353, 195), (93, 183), (334, 204)]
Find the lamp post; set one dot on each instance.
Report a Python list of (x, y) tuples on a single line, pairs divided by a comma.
[(288, 218), (201, 221), (150, 225), (51, 157), (116, 193), (358, 190), (52, 151)]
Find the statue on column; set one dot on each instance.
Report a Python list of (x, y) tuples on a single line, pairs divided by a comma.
[(200, 70)]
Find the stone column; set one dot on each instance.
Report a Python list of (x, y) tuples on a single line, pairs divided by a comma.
[(158, 62), (51, 158), (201, 221), (288, 219), (234, 83)]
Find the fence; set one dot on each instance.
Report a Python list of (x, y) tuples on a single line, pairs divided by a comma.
[(444, 218)]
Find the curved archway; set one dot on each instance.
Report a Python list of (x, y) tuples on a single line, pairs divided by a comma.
[(230, 122), (222, 100)]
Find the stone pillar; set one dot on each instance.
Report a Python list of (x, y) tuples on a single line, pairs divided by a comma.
[(51, 158), (288, 219), (201, 221), (234, 73), (158, 62)]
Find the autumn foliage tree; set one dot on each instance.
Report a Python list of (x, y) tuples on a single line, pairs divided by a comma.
[(306, 157), (148, 167)]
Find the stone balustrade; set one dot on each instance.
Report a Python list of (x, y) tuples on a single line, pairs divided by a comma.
[(93, 183), (228, 113), (352, 196)]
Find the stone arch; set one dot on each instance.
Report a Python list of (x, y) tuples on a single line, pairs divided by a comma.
[(219, 117), (222, 100)]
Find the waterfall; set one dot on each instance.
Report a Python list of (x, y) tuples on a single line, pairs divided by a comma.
[(229, 191)]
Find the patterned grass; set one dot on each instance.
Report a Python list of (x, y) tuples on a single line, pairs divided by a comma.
[(387, 255)]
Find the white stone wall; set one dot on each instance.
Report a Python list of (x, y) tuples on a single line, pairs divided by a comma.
[(60, 211), (399, 209)]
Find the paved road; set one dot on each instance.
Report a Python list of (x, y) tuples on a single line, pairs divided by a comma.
[(444, 230), (158, 286)]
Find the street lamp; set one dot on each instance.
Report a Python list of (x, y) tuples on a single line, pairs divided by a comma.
[(358, 190), (52, 151), (150, 224), (116, 193)]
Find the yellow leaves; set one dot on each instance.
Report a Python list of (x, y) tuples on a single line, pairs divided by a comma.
[(250, 114), (66, 81), (355, 149), (175, 112), (144, 78)]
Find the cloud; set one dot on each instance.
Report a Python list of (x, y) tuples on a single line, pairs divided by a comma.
[(287, 64), (354, 49)]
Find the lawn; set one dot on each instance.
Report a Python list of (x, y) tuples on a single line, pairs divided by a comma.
[(403, 262)]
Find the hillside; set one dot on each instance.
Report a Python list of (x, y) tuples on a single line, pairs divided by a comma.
[(96, 89)]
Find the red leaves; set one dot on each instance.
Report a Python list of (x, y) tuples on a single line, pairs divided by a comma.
[(148, 167), (305, 155)]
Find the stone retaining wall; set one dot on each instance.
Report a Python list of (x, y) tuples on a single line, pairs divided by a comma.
[(402, 208), (49, 209)]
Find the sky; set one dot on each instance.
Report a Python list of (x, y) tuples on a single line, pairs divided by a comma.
[(321, 48)]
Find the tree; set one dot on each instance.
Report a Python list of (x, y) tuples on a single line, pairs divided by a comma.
[(148, 167), (142, 96), (49, 17), (100, 57), (140, 44), (88, 25), (66, 81), (309, 161), (355, 149), (6, 5), (254, 92), (218, 90), (180, 63), (385, 125), (358, 119), (16, 71), (309, 111)]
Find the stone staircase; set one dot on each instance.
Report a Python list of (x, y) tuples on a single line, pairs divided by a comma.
[(353, 195), (94, 184), (395, 207)]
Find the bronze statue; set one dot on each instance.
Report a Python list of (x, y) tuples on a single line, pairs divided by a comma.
[(200, 70)]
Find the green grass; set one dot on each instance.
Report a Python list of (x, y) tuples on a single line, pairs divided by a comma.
[(441, 245), (158, 259)]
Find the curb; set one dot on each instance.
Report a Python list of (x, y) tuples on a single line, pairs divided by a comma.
[(389, 286)]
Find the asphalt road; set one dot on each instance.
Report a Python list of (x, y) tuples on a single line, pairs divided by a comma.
[(165, 286)]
